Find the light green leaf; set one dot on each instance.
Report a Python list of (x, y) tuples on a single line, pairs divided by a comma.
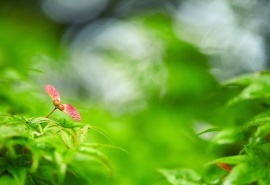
[(35, 161), (244, 80), (181, 176), (67, 139), (231, 159), (36, 120), (7, 180), (243, 173), (98, 145), (226, 136), (97, 129), (263, 130), (253, 91), (69, 155), (209, 130), (83, 133), (7, 132), (257, 154), (61, 171), (97, 155), (86, 162)]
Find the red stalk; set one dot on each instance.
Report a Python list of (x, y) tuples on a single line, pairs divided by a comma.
[(51, 112)]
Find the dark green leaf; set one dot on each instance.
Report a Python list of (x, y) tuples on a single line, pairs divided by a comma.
[(19, 174)]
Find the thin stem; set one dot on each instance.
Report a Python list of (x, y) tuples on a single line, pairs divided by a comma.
[(51, 112)]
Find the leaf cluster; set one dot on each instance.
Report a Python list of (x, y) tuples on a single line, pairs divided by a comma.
[(42, 151), (251, 164)]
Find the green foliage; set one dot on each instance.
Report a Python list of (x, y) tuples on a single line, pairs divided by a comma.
[(251, 163), (43, 150), (181, 176), (160, 135)]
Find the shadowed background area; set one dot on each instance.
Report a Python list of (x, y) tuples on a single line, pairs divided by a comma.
[(147, 72)]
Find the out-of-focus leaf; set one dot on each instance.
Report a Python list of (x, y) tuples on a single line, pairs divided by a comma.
[(83, 133), (181, 176), (99, 156), (257, 154), (260, 77), (263, 130), (231, 159), (98, 145), (35, 161), (35, 70), (209, 130), (52, 126), (61, 167), (67, 139), (253, 91), (264, 178), (7, 132), (82, 164), (258, 121), (68, 155), (51, 140), (6, 179), (243, 173), (44, 175), (227, 136), (257, 87), (19, 174), (97, 129)]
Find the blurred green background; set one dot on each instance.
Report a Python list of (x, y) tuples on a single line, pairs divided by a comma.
[(148, 73)]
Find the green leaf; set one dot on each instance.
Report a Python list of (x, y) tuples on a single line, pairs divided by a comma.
[(99, 156), (35, 70), (61, 171), (83, 164), (209, 130), (19, 174), (68, 124), (97, 129), (244, 173), (259, 121), (264, 178), (67, 138), (83, 133), (227, 136), (69, 155), (35, 161), (6, 179), (244, 80), (98, 145), (181, 176), (7, 132), (253, 91), (256, 87), (257, 154), (231, 159), (38, 120), (263, 130)]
